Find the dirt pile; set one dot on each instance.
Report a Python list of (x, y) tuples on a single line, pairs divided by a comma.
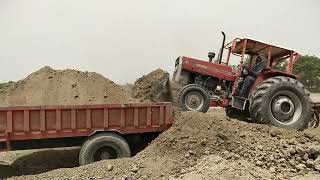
[(207, 146), (152, 86), (62, 87)]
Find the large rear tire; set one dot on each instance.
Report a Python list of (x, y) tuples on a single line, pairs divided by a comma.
[(282, 102), (103, 146), (193, 97)]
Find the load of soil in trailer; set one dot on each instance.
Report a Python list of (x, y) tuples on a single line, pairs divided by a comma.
[(72, 87), (62, 87)]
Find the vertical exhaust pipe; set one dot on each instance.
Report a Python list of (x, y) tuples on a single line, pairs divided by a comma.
[(222, 47)]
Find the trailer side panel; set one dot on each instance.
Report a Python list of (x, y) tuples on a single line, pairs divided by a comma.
[(42, 122)]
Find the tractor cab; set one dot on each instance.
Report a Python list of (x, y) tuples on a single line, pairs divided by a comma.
[(278, 61), (248, 49)]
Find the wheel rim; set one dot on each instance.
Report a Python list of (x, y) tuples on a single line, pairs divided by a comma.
[(285, 107), (194, 101), (105, 153)]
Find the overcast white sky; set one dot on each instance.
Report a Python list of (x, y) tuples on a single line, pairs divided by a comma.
[(126, 39)]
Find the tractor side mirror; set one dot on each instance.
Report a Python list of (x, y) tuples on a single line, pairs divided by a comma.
[(211, 55)]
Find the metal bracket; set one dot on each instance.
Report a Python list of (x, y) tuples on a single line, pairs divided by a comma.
[(239, 102)]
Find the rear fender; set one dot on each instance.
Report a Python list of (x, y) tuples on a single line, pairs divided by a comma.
[(268, 74), (102, 131)]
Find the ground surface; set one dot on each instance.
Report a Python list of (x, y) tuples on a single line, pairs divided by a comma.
[(198, 146)]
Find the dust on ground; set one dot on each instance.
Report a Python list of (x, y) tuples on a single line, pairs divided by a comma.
[(208, 146)]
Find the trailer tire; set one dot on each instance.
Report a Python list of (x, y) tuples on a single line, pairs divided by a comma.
[(283, 102), (193, 97), (103, 146)]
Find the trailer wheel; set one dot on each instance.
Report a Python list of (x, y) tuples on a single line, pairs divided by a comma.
[(102, 147), (193, 97), (283, 102)]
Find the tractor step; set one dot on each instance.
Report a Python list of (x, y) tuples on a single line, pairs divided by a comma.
[(239, 102)]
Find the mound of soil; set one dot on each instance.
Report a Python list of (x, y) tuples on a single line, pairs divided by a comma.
[(151, 86), (207, 146), (62, 87)]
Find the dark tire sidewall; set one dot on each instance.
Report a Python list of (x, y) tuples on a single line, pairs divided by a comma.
[(191, 88), (301, 123), (92, 145)]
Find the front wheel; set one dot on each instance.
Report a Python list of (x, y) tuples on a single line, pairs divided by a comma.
[(193, 97), (283, 102)]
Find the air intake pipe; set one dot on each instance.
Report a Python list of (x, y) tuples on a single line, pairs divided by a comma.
[(222, 47)]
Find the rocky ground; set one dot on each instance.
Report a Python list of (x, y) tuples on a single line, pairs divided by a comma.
[(208, 146)]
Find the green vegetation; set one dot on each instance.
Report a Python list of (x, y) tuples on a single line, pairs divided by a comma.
[(309, 69)]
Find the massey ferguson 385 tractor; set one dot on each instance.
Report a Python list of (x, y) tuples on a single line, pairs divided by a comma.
[(273, 96)]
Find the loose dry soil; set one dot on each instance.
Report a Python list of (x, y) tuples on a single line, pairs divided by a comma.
[(197, 146), (62, 87), (152, 86), (210, 146)]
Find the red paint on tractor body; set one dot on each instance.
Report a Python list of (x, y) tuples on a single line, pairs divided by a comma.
[(207, 68)]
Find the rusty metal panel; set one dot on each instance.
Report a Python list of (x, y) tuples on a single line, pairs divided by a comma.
[(142, 116), (34, 118), (42, 120), (88, 113), (26, 121), (58, 120), (97, 118), (155, 116), (122, 118), (136, 117), (50, 119), (149, 116), (161, 116), (106, 118), (35, 122), (9, 122), (3, 122), (73, 119)]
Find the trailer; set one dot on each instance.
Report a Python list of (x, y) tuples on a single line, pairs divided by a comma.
[(106, 131)]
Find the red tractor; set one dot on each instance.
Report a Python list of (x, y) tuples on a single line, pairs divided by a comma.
[(273, 96)]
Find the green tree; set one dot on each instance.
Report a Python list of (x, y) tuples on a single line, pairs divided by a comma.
[(282, 65), (309, 69)]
